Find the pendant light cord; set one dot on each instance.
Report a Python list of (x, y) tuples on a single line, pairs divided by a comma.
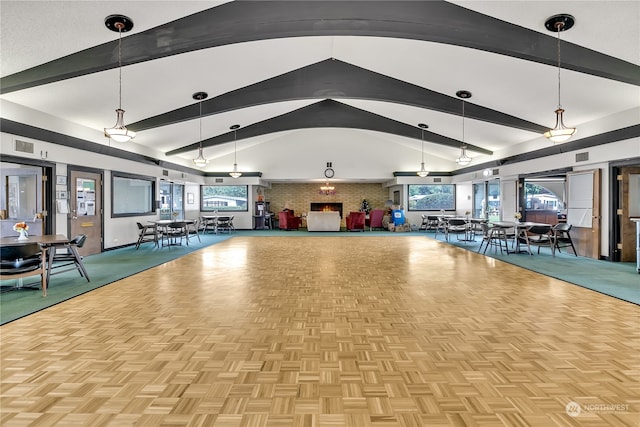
[(463, 123), (423, 146), (559, 26), (235, 147), (200, 127), (119, 26)]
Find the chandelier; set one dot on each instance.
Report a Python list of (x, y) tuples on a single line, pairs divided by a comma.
[(119, 131), (200, 161), (464, 159), (560, 133), (235, 173), (422, 172), (327, 189)]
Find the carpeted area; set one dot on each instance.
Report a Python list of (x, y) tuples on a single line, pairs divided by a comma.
[(618, 280)]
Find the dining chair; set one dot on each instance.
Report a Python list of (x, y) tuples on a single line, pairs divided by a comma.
[(562, 238), (194, 228), (493, 237), (19, 261), (147, 233), (457, 226), (224, 223), (538, 235), (174, 233), (69, 257)]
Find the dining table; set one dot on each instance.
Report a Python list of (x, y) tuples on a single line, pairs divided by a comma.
[(520, 231), (163, 225), (46, 241)]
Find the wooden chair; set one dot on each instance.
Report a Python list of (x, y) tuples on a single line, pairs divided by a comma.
[(174, 233), (147, 233), (562, 238), (538, 235), (69, 257), (19, 261)]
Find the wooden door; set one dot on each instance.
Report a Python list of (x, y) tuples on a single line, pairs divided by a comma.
[(85, 202), (583, 211)]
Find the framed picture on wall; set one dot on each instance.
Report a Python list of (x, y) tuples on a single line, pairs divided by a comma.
[(61, 180), (190, 199)]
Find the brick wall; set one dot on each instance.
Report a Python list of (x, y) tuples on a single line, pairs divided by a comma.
[(300, 196)]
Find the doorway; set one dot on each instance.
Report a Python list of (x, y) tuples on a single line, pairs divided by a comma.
[(171, 200), (85, 202)]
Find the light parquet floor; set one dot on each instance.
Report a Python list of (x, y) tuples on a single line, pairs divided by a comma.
[(326, 331)]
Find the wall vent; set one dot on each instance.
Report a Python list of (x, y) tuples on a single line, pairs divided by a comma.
[(165, 172), (582, 157), (24, 146), (437, 179), (495, 172), (219, 180)]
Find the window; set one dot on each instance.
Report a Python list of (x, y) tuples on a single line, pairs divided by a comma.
[(224, 198), (132, 195), (432, 197)]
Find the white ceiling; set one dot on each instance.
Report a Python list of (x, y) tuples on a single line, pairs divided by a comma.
[(34, 32)]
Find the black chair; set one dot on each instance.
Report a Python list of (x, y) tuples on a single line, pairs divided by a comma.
[(18, 261), (69, 258), (224, 223), (538, 235), (194, 228), (562, 237), (457, 226), (174, 233), (493, 236), (147, 233)]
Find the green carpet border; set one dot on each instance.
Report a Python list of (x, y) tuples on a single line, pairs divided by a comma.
[(15, 304)]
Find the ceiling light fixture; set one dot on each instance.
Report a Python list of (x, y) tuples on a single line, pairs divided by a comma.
[(200, 161), (119, 131), (464, 159), (422, 172), (560, 132), (235, 173)]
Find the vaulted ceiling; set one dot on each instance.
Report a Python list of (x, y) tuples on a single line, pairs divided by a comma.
[(282, 68)]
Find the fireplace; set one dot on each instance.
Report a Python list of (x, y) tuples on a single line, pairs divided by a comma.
[(327, 206)]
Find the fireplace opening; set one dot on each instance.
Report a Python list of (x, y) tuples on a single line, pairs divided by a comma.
[(327, 207)]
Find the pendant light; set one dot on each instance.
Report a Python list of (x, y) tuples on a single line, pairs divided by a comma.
[(422, 172), (119, 131), (200, 161), (235, 173), (464, 159), (560, 133)]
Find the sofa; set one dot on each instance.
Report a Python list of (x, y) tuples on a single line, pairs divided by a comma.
[(288, 221), (323, 221)]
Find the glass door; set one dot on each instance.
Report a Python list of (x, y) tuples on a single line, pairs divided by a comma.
[(493, 200), (171, 200), (479, 200)]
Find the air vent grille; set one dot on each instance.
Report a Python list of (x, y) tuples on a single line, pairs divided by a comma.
[(25, 147), (219, 180), (495, 172), (582, 157), (437, 179), (165, 172)]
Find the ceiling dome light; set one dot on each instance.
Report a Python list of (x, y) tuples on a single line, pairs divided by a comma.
[(119, 131), (200, 161), (422, 172), (235, 173), (560, 133)]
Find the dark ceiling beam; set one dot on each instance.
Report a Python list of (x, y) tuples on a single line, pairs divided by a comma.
[(328, 114), (245, 21), (32, 132), (337, 80)]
